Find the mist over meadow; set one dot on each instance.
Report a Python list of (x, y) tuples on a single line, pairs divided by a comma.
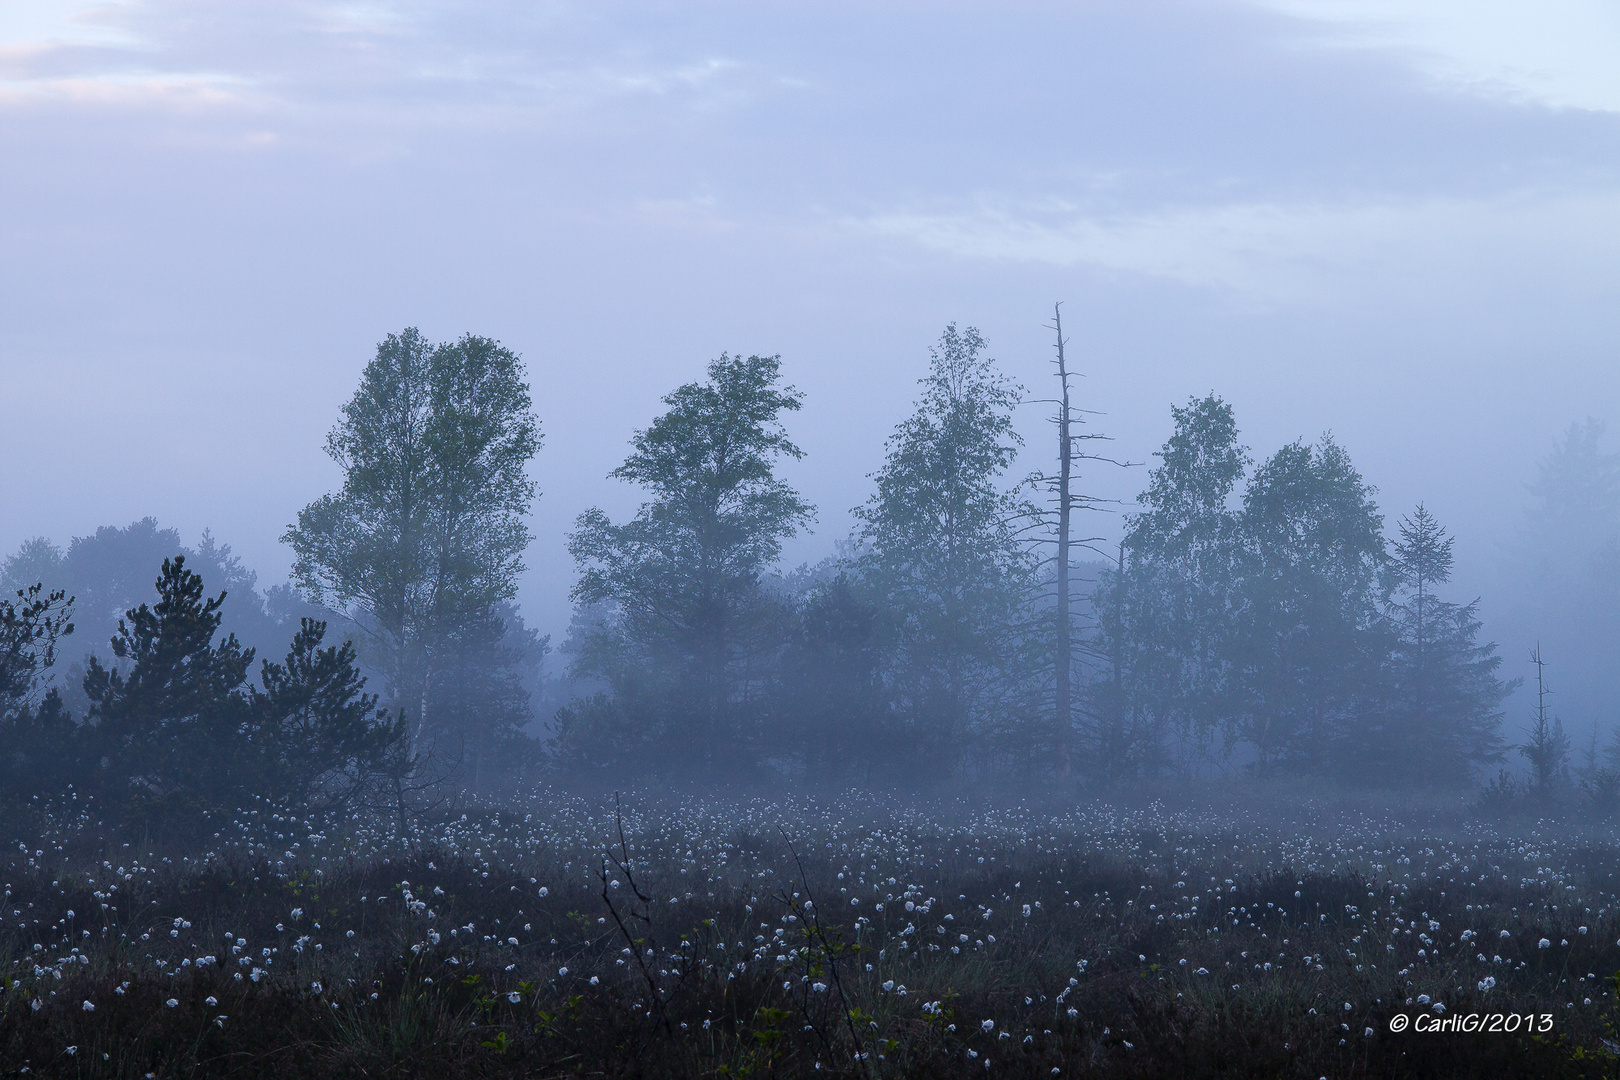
[(637, 540)]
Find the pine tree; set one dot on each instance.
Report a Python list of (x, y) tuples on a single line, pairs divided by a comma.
[(178, 700), (322, 735), (1546, 746), (39, 748), (1445, 710)]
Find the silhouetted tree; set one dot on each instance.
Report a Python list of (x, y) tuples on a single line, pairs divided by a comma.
[(323, 736), (1166, 610), (37, 737), (171, 725), (1310, 639), (1054, 524), (1546, 746), (679, 583), (427, 534), (1445, 709), (940, 546)]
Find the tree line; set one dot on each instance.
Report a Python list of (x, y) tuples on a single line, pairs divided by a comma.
[(1255, 616)]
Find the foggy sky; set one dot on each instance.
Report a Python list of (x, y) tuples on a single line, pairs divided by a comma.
[(1396, 220)]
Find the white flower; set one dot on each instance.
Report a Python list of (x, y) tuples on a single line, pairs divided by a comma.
[(514, 997), (315, 987), (819, 987), (88, 1007), (888, 984), (171, 1003), (988, 1025), (561, 972), (1487, 983), (1543, 944)]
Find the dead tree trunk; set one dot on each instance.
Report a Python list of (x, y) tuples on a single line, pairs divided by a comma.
[(1064, 699)]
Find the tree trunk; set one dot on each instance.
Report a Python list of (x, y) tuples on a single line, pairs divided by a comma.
[(1064, 719)]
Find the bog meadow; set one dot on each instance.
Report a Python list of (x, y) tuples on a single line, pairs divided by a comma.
[(975, 796)]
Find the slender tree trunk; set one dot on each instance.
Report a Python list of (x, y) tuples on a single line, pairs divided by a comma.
[(1113, 720), (1065, 447)]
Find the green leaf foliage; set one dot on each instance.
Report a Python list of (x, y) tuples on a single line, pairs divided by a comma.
[(680, 581), (427, 534), (939, 546)]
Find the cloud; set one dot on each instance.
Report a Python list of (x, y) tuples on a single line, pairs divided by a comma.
[(1282, 252), (92, 54), (417, 66), (35, 24), (1557, 53)]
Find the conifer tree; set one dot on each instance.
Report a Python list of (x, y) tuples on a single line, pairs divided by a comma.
[(178, 700), (1445, 713)]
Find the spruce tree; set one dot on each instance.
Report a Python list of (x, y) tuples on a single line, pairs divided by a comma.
[(1445, 709)]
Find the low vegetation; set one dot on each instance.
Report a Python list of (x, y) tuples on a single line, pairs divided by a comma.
[(848, 937)]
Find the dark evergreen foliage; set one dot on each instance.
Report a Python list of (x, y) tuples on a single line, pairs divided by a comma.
[(313, 719), (170, 726), (1444, 711), (175, 728)]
